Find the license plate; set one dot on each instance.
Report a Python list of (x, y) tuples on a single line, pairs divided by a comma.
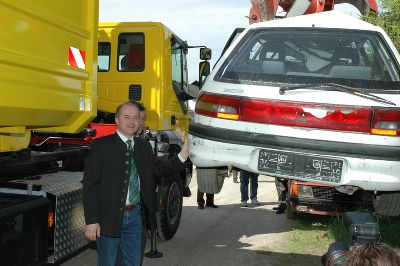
[(294, 165)]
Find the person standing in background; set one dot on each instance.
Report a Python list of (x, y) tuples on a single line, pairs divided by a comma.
[(235, 174), (209, 200), (282, 189), (247, 177)]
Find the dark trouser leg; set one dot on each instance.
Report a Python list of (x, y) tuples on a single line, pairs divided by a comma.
[(144, 237), (210, 199), (244, 185), (200, 198), (253, 185), (281, 188)]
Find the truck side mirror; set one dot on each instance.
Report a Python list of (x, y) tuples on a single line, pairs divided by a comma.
[(204, 71), (205, 54)]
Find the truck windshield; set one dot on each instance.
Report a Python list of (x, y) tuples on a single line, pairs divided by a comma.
[(349, 57)]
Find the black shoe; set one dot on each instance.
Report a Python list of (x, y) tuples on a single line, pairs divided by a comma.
[(281, 208), (212, 205), (280, 211), (201, 207), (187, 192)]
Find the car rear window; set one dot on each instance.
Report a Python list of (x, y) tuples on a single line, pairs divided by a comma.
[(311, 56)]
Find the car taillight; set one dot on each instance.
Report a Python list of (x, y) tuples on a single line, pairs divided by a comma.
[(309, 115), (324, 116), (386, 122), (218, 106)]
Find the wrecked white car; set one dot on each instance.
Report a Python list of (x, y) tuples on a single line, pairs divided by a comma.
[(313, 98)]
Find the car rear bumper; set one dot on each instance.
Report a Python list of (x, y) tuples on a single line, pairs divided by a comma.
[(373, 172), (335, 148)]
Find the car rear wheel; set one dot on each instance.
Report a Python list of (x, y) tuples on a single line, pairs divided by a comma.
[(209, 180), (387, 203)]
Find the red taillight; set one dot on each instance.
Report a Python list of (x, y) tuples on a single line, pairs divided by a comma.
[(309, 115), (386, 122), (218, 106), (324, 116)]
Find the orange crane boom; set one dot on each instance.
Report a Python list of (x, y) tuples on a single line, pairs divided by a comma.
[(263, 10)]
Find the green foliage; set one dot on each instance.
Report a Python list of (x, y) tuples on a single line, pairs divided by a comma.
[(338, 230), (309, 237), (388, 227), (388, 19)]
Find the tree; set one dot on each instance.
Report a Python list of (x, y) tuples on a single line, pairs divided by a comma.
[(388, 19)]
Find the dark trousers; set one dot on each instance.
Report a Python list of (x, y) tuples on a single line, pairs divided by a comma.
[(282, 189), (200, 198)]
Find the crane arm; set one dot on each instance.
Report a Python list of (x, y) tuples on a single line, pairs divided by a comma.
[(263, 10)]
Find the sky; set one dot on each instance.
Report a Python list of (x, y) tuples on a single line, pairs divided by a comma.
[(199, 22)]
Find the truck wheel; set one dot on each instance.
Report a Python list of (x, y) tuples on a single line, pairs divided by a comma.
[(209, 181), (169, 214), (387, 204)]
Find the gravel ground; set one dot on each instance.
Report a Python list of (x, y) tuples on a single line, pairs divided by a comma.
[(229, 235)]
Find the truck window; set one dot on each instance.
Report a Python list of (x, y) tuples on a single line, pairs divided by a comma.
[(103, 64), (178, 60), (131, 52)]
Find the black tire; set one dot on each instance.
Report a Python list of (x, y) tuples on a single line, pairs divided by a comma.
[(209, 181), (169, 214), (291, 214), (387, 203)]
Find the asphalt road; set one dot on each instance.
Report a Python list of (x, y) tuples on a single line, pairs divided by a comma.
[(229, 235)]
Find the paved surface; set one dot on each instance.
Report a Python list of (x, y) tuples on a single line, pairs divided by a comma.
[(229, 235)]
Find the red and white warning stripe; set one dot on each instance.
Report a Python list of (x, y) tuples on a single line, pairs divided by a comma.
[(76, 57)]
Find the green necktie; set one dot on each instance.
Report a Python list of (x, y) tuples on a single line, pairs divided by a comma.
[(134, 192)]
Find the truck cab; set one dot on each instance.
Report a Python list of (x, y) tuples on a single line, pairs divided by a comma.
[(145, 62)]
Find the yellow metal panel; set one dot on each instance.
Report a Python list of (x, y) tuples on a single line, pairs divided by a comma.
[(158, 95), (14, 141), (113, 86), (40, 91), (171, 106)]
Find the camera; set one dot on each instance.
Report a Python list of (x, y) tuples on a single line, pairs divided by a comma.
[(362, 229)]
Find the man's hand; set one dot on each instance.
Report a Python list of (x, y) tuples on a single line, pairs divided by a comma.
[(180, 133), (185, 146), (92, 231), (185, 149)]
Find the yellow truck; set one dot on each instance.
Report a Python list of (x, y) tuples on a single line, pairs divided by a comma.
[(48, 58), (47, 70), (51, 90)]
